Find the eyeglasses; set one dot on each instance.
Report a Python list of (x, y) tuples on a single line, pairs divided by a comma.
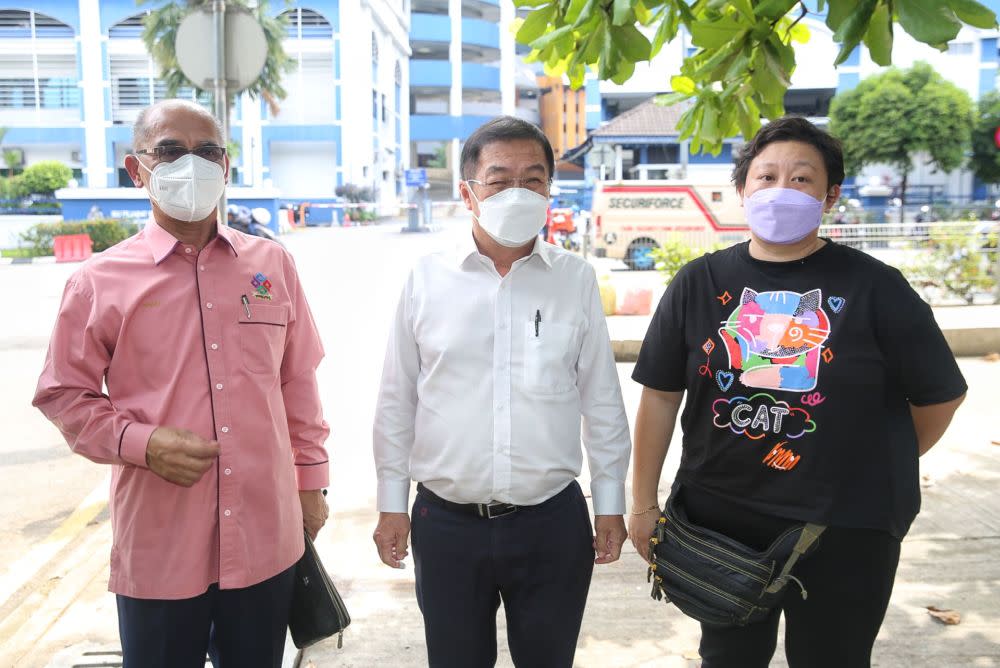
[(172, 152), (494, 186)]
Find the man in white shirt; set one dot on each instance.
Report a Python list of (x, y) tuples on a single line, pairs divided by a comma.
[(497, 351)]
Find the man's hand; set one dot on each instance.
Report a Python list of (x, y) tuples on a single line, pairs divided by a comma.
[(640, 528), (390, 538), (610, 537), (180, 456), (314, 510)]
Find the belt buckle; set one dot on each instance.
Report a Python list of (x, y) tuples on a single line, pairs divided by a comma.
[(495, 510)]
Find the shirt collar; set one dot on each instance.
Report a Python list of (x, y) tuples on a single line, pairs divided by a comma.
[(162, 243), (467, 248)]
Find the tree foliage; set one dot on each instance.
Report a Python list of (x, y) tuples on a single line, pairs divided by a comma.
[(744, 58), (899, 114), (160, 34), (985, 160), (45, 177)]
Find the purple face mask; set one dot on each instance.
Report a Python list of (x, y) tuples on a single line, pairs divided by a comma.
[(783, 215)]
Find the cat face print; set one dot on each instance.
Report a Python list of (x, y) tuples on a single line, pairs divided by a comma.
[(775, 339)]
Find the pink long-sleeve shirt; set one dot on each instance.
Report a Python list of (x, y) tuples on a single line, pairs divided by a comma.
[(220, 342)]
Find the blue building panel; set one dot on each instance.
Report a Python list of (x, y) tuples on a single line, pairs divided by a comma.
[(988, 50), (430, 28), (428, 127), (431, 73), (725, 157), (847, 81), (592, 87), (481, 33), (987, 80), (477, 75), (48, 135)]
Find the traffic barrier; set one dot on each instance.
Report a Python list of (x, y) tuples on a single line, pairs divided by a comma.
[(72, 247)]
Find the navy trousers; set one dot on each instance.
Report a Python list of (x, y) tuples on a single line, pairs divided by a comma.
[(538, 561), (242, 628)]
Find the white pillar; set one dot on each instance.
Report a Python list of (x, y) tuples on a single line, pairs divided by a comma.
[(456, 169), (252, 146), (508, 88), (455, 56), (619, 160), (93, 85)]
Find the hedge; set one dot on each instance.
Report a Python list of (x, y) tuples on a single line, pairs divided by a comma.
[(104, 233)]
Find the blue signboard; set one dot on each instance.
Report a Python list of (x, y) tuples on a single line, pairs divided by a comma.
[(416, 177)]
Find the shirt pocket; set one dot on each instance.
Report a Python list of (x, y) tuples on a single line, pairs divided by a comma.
[(549, 358), (262, 336)]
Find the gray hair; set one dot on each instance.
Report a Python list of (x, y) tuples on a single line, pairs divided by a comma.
[(141, 128)]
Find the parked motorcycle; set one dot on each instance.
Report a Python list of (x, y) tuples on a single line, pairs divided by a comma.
[(254, 222)]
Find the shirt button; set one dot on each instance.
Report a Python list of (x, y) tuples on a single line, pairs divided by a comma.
[(499, 407), (218, 386), (187, 250), (227, 513), (208, 305), (225, 430), (202, 267), (215, 346), (228, 471)]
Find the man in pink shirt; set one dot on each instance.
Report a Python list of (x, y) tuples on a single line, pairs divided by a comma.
[(186, 358)]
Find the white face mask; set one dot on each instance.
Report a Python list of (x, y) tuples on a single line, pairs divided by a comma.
[(188, 188), (512, 217)]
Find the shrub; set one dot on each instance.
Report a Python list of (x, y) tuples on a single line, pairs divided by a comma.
[(354, 193), (957, 266), (11, 188), (104, 234), (46, 177), (674, 253)]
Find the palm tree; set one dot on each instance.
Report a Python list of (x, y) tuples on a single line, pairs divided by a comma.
[(160, 33)]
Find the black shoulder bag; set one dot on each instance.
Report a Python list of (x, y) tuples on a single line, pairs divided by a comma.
[(718, 580), (318, 612)]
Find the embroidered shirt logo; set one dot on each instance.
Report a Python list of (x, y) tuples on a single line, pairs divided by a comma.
[(262, 286)]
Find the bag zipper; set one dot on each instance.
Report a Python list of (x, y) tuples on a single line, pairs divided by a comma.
[(716, 559), (693, 537), (707, 587)]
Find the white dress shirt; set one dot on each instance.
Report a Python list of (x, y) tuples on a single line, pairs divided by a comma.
[(480, 406)]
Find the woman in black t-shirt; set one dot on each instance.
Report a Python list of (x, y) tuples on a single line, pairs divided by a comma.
[(815, 378)]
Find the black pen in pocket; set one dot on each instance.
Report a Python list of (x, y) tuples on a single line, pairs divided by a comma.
[(538, 320), (246, 305)]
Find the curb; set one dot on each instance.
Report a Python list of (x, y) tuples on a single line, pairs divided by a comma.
[(45, 259), (967, 342)]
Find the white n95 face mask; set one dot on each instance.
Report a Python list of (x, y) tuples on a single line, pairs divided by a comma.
[(512, 217), (188, 188)]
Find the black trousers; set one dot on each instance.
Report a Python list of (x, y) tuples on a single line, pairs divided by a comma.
[(849, 578), (538, 561), (242, 628)]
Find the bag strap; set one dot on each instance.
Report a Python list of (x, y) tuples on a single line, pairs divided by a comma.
[(810, 534)]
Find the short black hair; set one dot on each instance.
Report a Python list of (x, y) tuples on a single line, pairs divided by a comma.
[(502, 128), (792, 128)]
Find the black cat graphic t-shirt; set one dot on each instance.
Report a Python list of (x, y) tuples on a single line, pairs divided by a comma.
[(799, 377)]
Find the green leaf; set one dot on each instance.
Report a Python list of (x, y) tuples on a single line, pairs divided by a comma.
[(631, 43), (684, 85), (878, 38), (530, 3), (642, 14), (928, 21), (608, 63), (665, 33), (535, 24), (745, 8), (622, 13), (714, 34), (625, 71), (853, 29), (839, 11), (671, 98), (774, 9), (974, 14), (550, 37), (749, 123), (579, 11)]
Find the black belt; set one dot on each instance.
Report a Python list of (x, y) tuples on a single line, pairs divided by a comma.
[(487, 510)]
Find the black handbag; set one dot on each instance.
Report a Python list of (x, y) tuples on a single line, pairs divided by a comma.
[(718, 580), (318, 611)]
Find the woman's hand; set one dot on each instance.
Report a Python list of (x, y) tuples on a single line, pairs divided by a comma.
[(640, 530)]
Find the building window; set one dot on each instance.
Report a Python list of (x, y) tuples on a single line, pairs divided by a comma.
[(307, 24), (34, 75), (960, 49)]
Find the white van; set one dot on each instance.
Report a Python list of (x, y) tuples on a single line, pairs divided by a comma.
[(631, 218)]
